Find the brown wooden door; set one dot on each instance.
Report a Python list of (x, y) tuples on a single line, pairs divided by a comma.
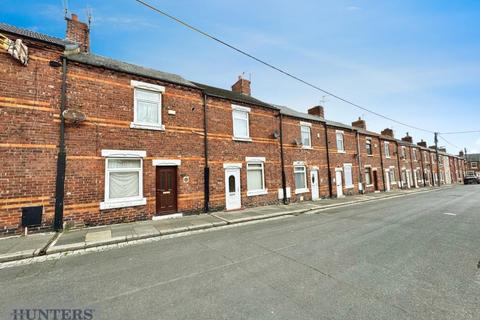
[(166, 190), (375, 180)]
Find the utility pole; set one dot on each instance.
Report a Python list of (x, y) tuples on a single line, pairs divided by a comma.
[(438, 158)]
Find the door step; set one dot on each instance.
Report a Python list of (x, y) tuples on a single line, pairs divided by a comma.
[(167, 216)]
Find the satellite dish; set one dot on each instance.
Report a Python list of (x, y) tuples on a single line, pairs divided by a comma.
[(275, 134), (75, 116), (297, 142)]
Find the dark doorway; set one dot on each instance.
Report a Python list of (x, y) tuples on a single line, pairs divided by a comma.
[(166, 190), (375, 180)]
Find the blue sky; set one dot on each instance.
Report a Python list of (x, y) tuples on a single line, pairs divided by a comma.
[(415, 61)]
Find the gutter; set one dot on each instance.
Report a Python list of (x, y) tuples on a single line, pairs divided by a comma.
[(61, 159)]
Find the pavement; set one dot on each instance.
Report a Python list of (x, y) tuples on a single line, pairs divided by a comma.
[(25, 247), (391, 259)]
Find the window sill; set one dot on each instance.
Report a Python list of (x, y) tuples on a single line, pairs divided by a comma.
[(304, 190), (122, 204), (369, 185), (242, 139), (341, 151), (307, 147), (257, 193), (349, 187), (134, 125), (369, 155)]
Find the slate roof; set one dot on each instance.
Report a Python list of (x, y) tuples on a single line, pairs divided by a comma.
[(339, 125), (297, 114), (473, 157), (104, 62), (234, 96), (33, 35)]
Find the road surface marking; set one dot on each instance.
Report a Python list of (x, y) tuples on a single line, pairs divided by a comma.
[(450, 214)]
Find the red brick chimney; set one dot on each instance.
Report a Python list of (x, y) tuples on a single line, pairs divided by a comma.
[(387, 132), (422, 144), (407, 138), (242, 86), (317, 111), (360, 123), (78, 32), (461, 154)]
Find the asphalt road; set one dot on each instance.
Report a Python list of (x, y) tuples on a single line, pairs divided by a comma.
[(401, 258)]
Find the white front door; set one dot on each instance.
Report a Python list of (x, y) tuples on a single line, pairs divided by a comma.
[(314, 184), (233, 199), (387, 179), (338, 181)]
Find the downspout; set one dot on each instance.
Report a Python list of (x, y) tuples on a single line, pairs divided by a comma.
[(359, 160), (282, 162), (330, 191), (61, 159), (399, 169), (206, 169), (381, 165)]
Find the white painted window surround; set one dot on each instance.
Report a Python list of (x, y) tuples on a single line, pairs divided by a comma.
[(340, 141), (166, 162), (300, 175), (123, 179), (241, 123), (147, 106), (306, 134), (256, 176), (387, 149)]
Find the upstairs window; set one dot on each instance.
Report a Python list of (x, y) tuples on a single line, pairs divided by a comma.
[(340, 142), (147, 106), (368, 146), (474, 165), (241, 125), (414, 155), (387, 149), (306, 135), (404, 153)]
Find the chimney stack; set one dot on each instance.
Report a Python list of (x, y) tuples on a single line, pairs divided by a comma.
[(78, 32), (387, 132), (461, 154), (422, 144), (407, 138), (242, 86), (360, 123), (317, 111)]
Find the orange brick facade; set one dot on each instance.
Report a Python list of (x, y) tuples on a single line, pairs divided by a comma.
[(30, 102)]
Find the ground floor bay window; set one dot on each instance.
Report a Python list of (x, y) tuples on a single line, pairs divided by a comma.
[(123, 179)]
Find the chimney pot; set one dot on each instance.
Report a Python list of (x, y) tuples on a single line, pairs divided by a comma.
[(318, 111), (78, 32), (387, 132), (360, 124), (242, 86)]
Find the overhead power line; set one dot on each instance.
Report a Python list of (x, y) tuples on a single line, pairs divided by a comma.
[(288, 74), (453, 145), (461, 132)]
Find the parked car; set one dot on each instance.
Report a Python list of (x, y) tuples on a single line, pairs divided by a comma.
[(471, 179)]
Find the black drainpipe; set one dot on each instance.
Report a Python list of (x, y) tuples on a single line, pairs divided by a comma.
[(206, 170), (61, 160), (381, 165), (282, 162), (330, 191)]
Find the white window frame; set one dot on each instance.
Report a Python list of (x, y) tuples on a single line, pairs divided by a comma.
[(386, 149), (414, 154), (128, 201), (349, 186), (342, 135), (393, 176), (306, 127), (261, 161), (138, 85), (404, 153), (304, 170), (246, 110)]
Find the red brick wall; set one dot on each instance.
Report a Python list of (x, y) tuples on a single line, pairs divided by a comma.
[(373, 161), (29, 100)]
